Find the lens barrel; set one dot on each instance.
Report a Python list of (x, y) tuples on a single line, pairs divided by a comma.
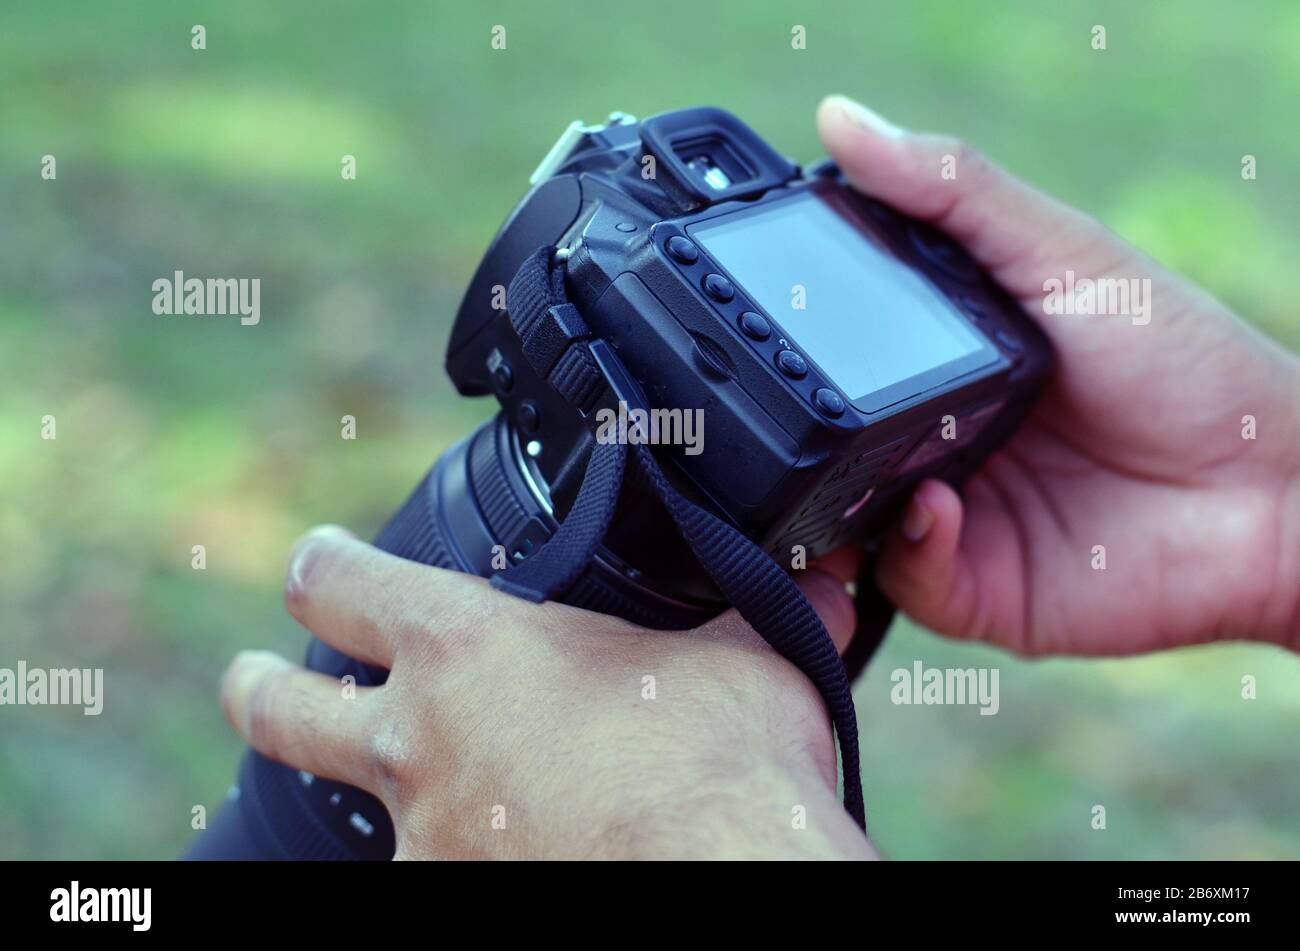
[(481, 503)]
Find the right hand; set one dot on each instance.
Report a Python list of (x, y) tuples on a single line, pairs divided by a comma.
[(495, 707), (1137, 444)]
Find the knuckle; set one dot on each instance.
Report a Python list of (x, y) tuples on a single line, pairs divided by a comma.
[(392, 757), (455, 626), (493, 614), (436, 644)]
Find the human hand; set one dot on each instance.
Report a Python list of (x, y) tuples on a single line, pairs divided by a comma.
[(1137, 444), (538, 716)]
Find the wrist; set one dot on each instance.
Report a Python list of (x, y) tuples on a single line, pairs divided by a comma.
[(758, 810)]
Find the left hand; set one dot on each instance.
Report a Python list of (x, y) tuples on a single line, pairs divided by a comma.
[(543, 716)]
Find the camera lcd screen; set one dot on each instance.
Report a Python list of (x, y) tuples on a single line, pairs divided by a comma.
[(879, 329)]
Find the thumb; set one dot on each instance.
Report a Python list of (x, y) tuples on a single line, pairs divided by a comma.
[(832, 602), (922, 567), (827, 595), (1017, 232)]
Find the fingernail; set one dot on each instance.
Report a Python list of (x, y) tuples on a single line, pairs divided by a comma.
[(917, 521), (864, 118), (295, 579), (301, 560)]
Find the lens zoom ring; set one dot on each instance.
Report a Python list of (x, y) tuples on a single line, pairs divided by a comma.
[(413, 532), (497, 499)]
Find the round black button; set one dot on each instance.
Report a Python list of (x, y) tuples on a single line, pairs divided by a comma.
[(829, 402), (530, 417), (625, 226), (755, 325), (682, 250), (792, 364), (504, 377), (719, 288)]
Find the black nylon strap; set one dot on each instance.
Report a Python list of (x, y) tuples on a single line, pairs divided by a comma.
[(774, 606), (747, 576), (549, 571), (875, 613), (552, 332)]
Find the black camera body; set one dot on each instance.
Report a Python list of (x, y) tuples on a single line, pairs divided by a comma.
[(835, 351), (668, 222)]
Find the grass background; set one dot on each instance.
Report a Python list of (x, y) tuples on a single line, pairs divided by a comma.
[(226, 162)]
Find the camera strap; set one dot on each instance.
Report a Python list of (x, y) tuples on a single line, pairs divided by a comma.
[(558, 344)]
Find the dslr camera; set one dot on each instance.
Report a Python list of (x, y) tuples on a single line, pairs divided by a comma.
[(801, 356)]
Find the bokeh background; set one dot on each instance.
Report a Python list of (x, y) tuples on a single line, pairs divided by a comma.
[(180, 431)]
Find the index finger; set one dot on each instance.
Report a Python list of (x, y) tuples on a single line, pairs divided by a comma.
[(367, 603)]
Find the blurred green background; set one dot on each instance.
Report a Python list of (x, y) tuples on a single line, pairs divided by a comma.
[(175, 432)]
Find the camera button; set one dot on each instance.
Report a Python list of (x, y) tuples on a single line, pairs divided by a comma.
[(791, 364), (829, 402), (503, 376), (973, 307), (755, 325), (529, 416), (683, 251), (719, 288), (1008, 341)]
